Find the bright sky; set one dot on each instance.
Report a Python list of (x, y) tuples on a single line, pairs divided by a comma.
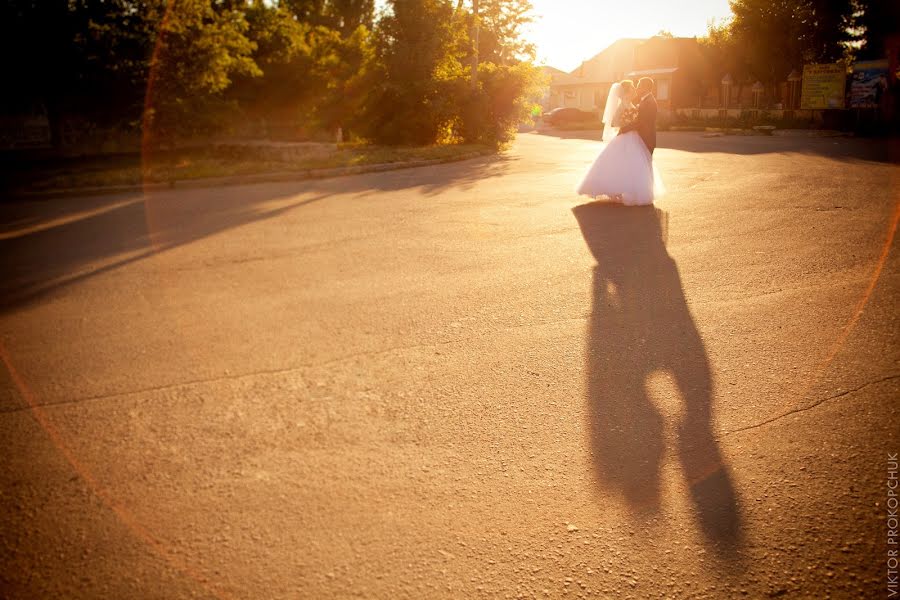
[(567, 32)]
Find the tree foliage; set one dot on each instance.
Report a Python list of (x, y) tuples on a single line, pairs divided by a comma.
[(723, 53), (422, 92), (285, 53), (766, 39), (419, 48), (502, 100), (199, 50), (347, 77), (773, 38), (343, 15), (875, 21), (500, 40), (89, 58), (186, 67)]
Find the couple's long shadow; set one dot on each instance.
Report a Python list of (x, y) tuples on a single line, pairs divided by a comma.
[(640, 324)]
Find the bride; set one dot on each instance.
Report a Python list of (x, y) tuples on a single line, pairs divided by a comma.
[(624, 169)]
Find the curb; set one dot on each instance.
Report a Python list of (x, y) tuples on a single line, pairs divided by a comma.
[(810, 133), (274, 177), (762, 130)]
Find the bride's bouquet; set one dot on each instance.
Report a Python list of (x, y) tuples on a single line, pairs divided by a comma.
[(629, 116)]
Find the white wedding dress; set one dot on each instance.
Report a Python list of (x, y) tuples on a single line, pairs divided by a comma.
[(624, 169)]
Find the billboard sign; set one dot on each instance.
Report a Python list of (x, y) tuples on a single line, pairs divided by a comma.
[(823, 86), (868, 83)]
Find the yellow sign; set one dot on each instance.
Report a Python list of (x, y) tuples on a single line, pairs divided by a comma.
[(823, 86)]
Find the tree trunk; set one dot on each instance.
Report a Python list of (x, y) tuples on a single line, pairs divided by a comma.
[(475, 32)]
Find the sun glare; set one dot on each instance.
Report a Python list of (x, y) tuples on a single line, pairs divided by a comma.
[(567, 32)]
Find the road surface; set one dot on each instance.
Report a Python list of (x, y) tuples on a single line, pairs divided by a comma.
[(459, 381)]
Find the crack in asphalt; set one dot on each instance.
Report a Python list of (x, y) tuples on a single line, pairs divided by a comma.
[(190, 382), (811, 406), (280, 371)]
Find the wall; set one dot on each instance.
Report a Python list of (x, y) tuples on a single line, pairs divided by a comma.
[(589, 98), (815, 117)]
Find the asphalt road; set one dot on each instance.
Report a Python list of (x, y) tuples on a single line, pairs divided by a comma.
[(459, 381)]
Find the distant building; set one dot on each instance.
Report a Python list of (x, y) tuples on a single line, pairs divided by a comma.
[(587, 86), (675, 64), (688, 87), (558, 81)]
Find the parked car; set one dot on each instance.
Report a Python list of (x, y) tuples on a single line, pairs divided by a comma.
[(562, 116)]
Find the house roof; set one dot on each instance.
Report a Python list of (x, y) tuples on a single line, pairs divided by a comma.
[(610, 64), (614, 62), (551, 70), (560, 77), (660, 71), (618, 42)]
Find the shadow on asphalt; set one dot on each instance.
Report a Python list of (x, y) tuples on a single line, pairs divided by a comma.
[(432, 180), (639, 325), (48, 245), (885, 150)]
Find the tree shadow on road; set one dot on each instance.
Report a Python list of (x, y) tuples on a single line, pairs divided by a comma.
[(54, 255), (49, 245), (640, 324), (430, 180)]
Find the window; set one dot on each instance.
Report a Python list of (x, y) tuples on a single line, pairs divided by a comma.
[(598, 98), (662, 89)]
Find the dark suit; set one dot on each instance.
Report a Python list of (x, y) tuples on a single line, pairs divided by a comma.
[(645, 124)]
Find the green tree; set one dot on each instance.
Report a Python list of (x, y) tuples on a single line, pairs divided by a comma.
[(115, 44), (86, 59), (504, 98), (345, 69), (422, 92), (305, 11), (416, 64), (777, 37), (311, 74), (876, 19), (284, 53), (723, 54), (348, 15), (830, 30), (342, 15), (199, 50), (500, 40)]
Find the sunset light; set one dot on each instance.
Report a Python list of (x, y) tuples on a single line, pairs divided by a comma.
[(450, 299), (566, 32)]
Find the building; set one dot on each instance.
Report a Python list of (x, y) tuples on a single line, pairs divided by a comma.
[(557, 80), (587, 86), (675, 64)]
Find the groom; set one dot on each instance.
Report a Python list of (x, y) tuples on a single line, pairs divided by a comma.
[(645, 124)]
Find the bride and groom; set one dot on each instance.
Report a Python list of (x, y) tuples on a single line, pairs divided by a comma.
[(624, 169)]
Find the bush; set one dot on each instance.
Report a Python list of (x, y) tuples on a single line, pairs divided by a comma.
[(491, 114), (414, 75), (419, 87), (199, 50)]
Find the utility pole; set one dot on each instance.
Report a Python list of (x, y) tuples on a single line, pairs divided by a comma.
[(475, 39)]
